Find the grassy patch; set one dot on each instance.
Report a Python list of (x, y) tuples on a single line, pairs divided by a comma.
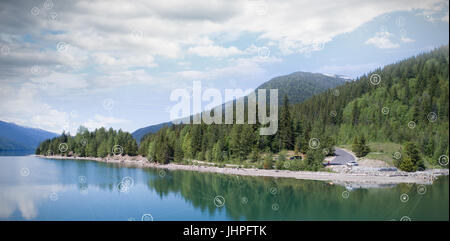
[(382, 151)]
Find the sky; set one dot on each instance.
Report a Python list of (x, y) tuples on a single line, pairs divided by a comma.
[(114, 63)]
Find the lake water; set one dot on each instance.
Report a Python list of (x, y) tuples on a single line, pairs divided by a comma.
[(32, 188)]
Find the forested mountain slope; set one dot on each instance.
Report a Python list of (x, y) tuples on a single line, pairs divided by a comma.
[(298, 86), (410, 103), (407, 103)]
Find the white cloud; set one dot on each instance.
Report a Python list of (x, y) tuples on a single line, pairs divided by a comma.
[(406, 39), (382, 40), (23, 105), (103, 121), (214, 51)]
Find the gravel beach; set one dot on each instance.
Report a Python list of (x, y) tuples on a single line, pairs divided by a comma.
[(357, 175)]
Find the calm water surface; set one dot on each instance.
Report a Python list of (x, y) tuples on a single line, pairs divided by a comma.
[(41, 189)]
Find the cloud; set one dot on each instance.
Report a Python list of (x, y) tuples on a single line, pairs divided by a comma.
[(103, 121), (23, 105), (406, 39), (214, 51), (382, 40), (353, 70)]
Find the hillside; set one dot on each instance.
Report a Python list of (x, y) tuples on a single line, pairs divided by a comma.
[(298, 86), (20, 139), (409, 105)]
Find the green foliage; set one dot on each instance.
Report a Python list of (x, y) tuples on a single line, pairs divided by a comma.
[(410, 160), (99, 143), (268, 162), (359, 146), (410, 90)]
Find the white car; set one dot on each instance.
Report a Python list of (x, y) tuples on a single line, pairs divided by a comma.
[(352, 164)]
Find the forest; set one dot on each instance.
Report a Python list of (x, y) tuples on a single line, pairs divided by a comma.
[(408, 104), (99, 143)]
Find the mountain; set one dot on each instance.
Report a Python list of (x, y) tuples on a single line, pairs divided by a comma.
[(298, 86), (410, 103), (20, 139), (404, 103), (139, 133)]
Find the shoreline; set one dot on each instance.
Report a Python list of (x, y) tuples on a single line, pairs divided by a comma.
[(346, 176)]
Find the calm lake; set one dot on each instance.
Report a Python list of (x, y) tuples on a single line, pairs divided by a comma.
[(41, 189)]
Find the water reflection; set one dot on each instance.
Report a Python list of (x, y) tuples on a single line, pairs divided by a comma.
[(93, 190), (25, 199)]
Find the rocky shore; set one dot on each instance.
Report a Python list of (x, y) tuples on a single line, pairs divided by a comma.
[(355, 176)]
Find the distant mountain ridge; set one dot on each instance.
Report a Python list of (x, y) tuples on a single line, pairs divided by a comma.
[(298, 86), (20, 139)]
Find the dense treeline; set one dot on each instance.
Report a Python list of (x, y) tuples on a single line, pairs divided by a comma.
[(238, 143), (99, 143), (409, 104)]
